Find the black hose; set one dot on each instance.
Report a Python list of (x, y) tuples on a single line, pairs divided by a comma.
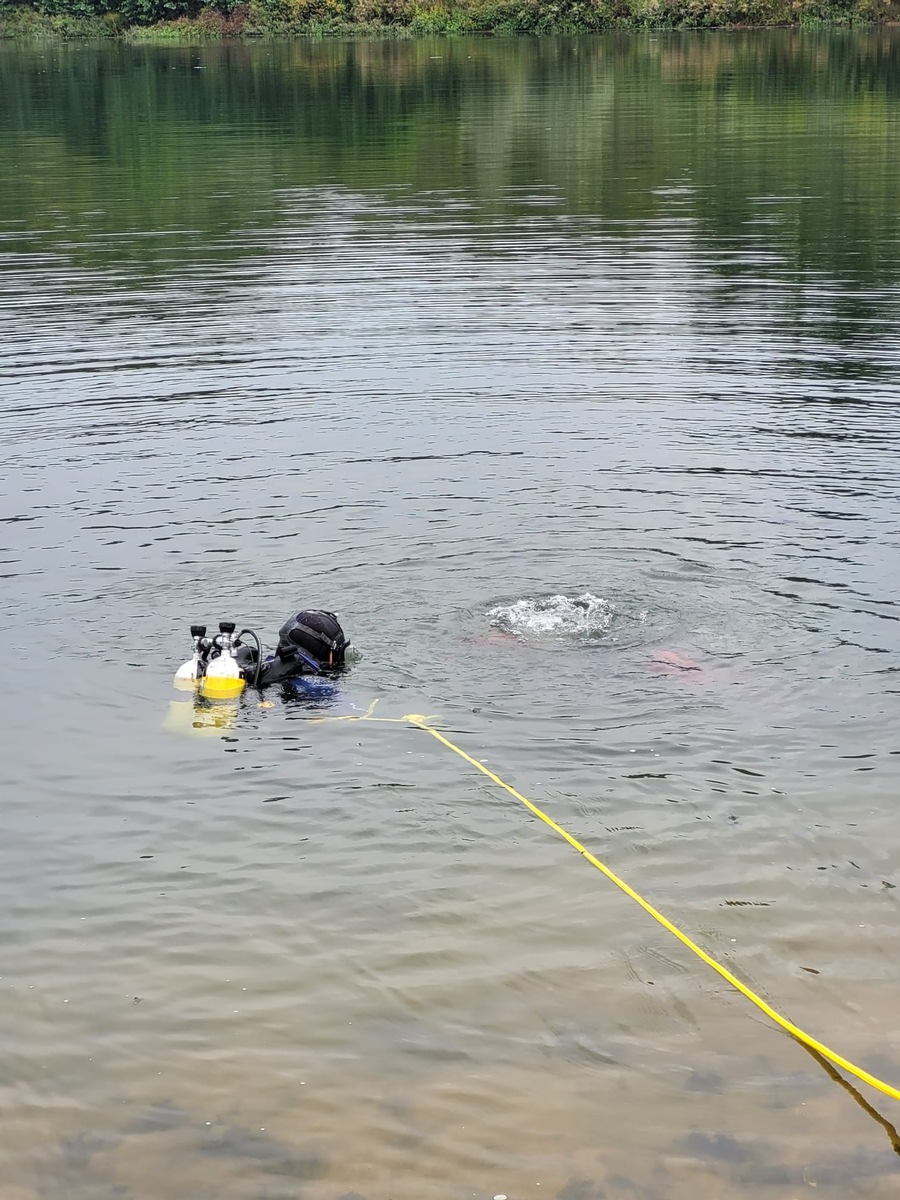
[(258, 654)]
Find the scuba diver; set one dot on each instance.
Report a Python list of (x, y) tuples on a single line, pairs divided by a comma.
[(311, 642)]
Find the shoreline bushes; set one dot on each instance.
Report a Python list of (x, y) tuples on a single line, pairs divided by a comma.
[(191, 20)]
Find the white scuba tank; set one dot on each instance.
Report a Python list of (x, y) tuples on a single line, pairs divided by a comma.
[(187, 673)]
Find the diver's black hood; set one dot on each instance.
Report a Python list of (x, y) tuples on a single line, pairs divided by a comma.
[(317, 634), (310, 642)]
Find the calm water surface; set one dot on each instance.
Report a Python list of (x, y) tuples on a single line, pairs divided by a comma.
[(432, 334)]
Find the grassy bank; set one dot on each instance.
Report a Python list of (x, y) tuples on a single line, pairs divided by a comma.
[(186, 21)]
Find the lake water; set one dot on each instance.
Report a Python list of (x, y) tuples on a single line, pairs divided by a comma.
[(567, 373)]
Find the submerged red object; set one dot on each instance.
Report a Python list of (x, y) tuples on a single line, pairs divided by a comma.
[(671, 660)]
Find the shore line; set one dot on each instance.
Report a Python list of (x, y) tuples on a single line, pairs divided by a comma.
[(409, 19)]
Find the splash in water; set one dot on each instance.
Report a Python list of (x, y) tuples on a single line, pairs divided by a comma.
[(585, 616)]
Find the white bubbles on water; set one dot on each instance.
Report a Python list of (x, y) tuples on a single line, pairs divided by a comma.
[(585, 616)]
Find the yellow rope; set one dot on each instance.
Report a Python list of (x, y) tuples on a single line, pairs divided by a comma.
[(817, 1047), (422, 723)]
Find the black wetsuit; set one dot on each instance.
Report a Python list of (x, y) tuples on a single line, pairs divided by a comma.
[(309, 643)]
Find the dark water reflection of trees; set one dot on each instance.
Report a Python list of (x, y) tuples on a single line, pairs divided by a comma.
[(778, 133)]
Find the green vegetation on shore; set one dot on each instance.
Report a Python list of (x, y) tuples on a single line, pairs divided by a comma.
[(191, 20)]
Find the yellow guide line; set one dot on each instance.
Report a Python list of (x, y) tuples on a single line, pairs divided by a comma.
[(422, 722)]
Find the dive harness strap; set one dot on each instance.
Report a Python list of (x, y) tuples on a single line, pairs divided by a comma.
[(336, 643)]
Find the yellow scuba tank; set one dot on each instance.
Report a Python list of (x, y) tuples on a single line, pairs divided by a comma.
[(222, 679), (198, 717), (213, 671)]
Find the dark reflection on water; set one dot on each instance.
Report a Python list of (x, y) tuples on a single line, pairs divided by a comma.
[(771, 144), (567, 372)]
